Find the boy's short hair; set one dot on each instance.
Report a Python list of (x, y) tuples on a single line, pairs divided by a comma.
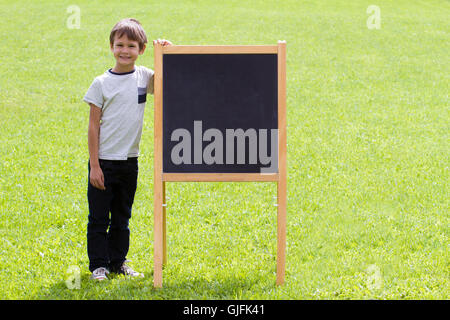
[(132, 28)]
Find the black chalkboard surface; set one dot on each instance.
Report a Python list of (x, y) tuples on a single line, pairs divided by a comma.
[(210, 101)]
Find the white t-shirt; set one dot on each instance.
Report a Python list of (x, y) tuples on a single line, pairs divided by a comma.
[(122, 97)]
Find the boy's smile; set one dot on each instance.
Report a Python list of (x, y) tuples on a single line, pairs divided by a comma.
[(125, 52)]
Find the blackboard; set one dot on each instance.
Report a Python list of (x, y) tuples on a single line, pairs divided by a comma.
[(220, 91), (219, 115)]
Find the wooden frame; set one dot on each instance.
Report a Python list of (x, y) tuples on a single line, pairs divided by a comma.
[(160, 178)]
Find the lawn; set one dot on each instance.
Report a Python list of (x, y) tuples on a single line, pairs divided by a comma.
[(368, 155)]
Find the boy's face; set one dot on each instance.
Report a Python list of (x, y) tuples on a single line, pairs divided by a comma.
[(126, 51)]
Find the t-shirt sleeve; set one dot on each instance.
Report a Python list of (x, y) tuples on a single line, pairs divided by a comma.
[(151, 81), (94, 94)]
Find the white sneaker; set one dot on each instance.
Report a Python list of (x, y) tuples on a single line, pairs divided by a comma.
[(127, 271), (100, 274)]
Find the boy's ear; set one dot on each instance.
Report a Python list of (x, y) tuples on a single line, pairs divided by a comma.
[(143, 49)]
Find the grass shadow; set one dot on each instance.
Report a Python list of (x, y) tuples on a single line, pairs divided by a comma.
[(119, 287)]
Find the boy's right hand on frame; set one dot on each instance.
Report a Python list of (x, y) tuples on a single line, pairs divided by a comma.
[(97, 179), (162, 42)]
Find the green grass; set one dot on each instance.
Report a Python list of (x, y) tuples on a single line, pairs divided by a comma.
[(368, 155)]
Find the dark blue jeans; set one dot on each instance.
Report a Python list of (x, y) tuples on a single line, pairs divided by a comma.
[(108, 235)]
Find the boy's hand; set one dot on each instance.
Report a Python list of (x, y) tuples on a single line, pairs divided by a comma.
[(162, 42), (97, 179)]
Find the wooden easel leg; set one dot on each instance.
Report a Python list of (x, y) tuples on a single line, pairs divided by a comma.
[(282, 182), (281, 231), (158, 184), (164, 224), (158, 235)]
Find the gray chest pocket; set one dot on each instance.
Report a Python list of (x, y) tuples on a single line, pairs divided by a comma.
[(142, 95)]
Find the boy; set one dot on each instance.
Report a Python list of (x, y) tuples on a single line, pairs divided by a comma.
[(117, 100)]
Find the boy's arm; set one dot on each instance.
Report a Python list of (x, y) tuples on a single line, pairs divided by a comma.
[(151, 82), (96, 177)]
